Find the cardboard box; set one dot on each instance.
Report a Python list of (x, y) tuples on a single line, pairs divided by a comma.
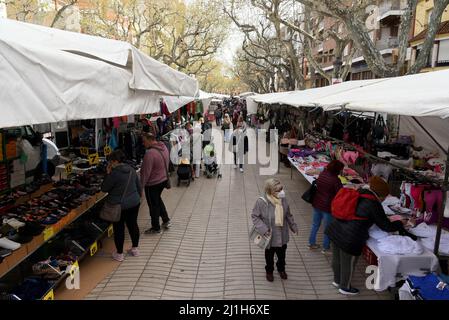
[(17, 256)]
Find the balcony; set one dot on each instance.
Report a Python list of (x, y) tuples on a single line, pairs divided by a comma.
[(388, 43), (390, 11)]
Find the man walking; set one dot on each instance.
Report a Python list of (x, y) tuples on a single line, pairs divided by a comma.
[(154, 178)]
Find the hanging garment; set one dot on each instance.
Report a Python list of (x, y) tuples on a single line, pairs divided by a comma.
[(382, 170), (116, 122)]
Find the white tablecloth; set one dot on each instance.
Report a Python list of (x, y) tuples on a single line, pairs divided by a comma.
[(392, 268)]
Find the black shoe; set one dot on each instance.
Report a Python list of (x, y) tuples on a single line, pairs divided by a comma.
[(270, 276), (283, 275), (153, 231), (349, 292)]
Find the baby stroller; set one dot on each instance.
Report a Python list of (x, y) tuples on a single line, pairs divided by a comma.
[(210, 162), (184, 172)]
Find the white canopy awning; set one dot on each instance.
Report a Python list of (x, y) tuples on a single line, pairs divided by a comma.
[(147, 73), (40, 85), (419, 95)]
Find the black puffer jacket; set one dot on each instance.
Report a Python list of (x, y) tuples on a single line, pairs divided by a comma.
[(351, 236)]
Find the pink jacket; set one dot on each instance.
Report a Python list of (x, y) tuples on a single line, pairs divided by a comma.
[(154, 170)]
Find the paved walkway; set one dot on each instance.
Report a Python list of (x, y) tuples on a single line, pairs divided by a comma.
[(207, 254)]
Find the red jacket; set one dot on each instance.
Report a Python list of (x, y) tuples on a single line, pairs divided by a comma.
[(328, 185)]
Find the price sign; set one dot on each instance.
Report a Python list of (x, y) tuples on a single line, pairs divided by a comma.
[(68, 168), (107, 151), (84, 151), (94, 159), (93, 249), (48, 233), (73, 269), (110, 231), (50, 295)]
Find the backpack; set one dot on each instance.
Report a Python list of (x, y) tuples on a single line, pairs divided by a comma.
[(344, 205)]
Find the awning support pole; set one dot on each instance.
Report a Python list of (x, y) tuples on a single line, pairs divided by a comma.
[(443, 205)]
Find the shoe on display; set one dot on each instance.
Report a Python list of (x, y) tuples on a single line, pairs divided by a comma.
[(133, 252), (16, 224), (152, 231), (5, 252), (20, 238), (349, 292), (166, 225), (118, 257), (8, 244)]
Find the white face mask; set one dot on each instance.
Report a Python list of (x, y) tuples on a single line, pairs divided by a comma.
[(281, 194)]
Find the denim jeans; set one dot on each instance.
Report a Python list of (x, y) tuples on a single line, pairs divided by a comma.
[(318, 216)]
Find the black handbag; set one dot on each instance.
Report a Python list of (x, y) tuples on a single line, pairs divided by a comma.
[(310, 193)]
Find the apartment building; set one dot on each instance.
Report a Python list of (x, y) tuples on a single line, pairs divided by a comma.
[(439, 57)]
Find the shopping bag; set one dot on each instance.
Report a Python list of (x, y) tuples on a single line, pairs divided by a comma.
[(262, 241), (310, 193)]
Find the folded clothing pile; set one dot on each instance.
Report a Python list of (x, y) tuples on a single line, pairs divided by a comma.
[(401, 245)]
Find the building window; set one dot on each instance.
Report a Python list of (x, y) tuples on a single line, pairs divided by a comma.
[(394, 31)]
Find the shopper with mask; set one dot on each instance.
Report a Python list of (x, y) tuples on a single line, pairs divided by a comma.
[(271, 214), (328, 184)]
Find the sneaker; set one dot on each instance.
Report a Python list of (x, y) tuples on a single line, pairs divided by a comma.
[(8, 244), (166, 225), (241, 170), (118, 257), (133, 252), (325, 251), (336, 285), (349, 292), (314, 246), (153, 231)]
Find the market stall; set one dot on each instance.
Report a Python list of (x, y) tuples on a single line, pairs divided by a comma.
[(49, 226), (370, 149)]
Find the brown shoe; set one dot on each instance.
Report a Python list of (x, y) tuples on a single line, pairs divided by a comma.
[(283, 275), (270, 277)]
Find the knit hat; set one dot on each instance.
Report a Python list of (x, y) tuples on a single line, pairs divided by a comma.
[(379, 186)]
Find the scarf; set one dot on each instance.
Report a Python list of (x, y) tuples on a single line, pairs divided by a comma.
[(278, 212)]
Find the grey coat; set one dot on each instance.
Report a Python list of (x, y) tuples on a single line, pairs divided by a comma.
[(263, 217), (115, 183)]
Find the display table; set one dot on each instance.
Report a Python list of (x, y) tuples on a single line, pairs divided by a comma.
[(294, 164), (392, 268)]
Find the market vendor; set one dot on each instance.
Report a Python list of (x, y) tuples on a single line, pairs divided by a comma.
[(349, 237)]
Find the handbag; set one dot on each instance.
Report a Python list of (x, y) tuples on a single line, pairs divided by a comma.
[(261, 240), (112, 212), (168, 184), (310, 193)]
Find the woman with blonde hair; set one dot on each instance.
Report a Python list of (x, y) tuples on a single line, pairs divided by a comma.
[(271, 215)]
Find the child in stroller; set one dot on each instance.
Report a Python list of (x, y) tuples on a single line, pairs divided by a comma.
[(210, 162), (184, 171)]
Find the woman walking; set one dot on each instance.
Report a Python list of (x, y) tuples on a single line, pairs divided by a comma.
[(226, 127), (239, 145), (328, 184), (271, 215), (123, 187)]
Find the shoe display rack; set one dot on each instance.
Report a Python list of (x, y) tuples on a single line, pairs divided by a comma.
[(57, 226), (8, 153)]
